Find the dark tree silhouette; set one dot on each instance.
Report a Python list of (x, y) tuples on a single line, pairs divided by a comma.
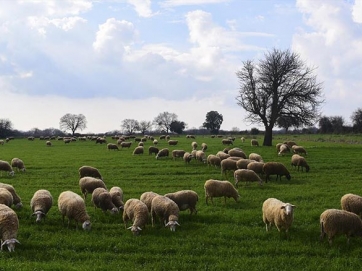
[(177, 126), (73, 122), (5, 128), (213, 121), (325, 125), (164, 120), (357, 120)]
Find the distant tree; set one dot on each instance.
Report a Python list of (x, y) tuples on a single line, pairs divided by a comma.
[(337, 123), (144, 126), (235, 130), (5, 128), (287, 122), (325, 125), (254, 131), (73, 122), (213, 121), (177, 126), (357, 120), (164, 120), (280, 85), (130, 126)]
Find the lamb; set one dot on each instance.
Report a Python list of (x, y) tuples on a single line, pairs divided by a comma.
[(227, 164), (299, 149), (336, 222), (222, 155), (203, 147), (138, 150), (257, 167), (5, 166), (147, 198), (275, 168), (246, 175), (9, 225), (166, 210), (40, 203), (194, 145), (227, 141), (117, 197), (185, 199), (213, 160), (136, 211), (282, 149), (72, 206), (102, 199), (5, 197), (200, 156), (243, 163), (88, 171), (217, 188), (111, 146), (187, 157), (88, 184), (126, 144), (237, 153), (255, 157), (352, 203), (172, 142), (152, 150), (16, 198), (178, 154), (254, 142), (278, 213), (299, 161), (163, 153)]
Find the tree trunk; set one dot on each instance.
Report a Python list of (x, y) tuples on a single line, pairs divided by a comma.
[(268, 136)]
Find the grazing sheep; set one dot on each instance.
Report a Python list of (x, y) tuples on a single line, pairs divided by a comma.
[(222, 155), (72, 206), (167, 137), (236, 158), (257, 167), (255, 157), (299, 150), (254, 142), (352, 203), (200, 156), (226, 150), (147, 198), (136, 211), (5, 166), (299, 161), (48, 143), (193, 154), (227, 164), (101, 140), (213, 160), (111, 146), (88, 184), (246, 175), (141, 144), (178, 154), (102, 199), (138, 150), (9, 225), (67, 140), (16, 199), (166, 210), (290, 143), (18, 163), (190, 136), (40, 203), (155, 142), (5, 197), (242, 139), (278, 213), (126, 144), (243, 163), (203, 147), (163, 153), (187, 157), (162, 136), (152, 150), (227, 141), (117, 196), (172, 142), (336, 222), (237, 153), (1, 142), (217, 188), (88, 171), (275, 168), (282, 149), (185, 199), (194, 145)]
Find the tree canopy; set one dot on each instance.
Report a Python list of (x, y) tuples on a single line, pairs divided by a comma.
[(357, 120), (164, 120), (5, 127), (177, 126), (213, 121), (130, 126), (73, 122)]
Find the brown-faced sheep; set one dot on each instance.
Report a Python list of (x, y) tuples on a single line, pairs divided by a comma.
[(136, 211), (299, 161), (290, 143), (166, 210), (40, 204), (185, 199), (246, 175), (88, 184), (178, 154), (9, 225), (275, 168), (217, 188), (88, 171)]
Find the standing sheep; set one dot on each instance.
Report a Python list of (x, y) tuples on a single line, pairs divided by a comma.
[(126, 144), (299, 161), (9, 225), (299, 149), (200, 156), (40, 203), (282, 149), (152, 150), (352, 203), (275, 168), (185, 199), (111, 146), (5, 166), (254, 142), (257, 167), (187, 157), (243, 163), (18, 163), (72, 206), (178, 154), (172, 142), (117, 196), (237, 153), (88, 184), (16, 198), (88, 171), (194, 145), (163, 153), (216, 188), (278, 213), (203, 147), (256, 157), (246, 175), (166, 210), (147, 198), (136, 211), (5, 197), (138, 150), (213, 160), (227, 164), (227, 141), (102, 199)]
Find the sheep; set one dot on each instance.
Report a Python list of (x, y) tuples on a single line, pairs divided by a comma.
[(72, 206), (278, 213), (141, 144), (172, 142), (138, 150), (237, 152), (162, 136), (155, 142), (40, 203), (227, 141), (194, 145), (163, 153), (16, 198), (152, 150), (67, 140), (101, 140), (242, 139), (193, 154), (117, 197), (48, 143), (18, 163), (1, 142), (222, 155), (352, 203), (257, 167), (167, 137), (88, 184), (185, 199), (243, 163), (299, 150), (290, 143), (217, 188), (275, 168), (187, 157), (336, 222), (299, 161), (227, 164), (9, 225), (178, 154), (102, 199), (213, 160), (203, 147), (5, 166), (166, 210), (88, 171), (200, 156), (246, 175), (5, 197), (282, 149), (111, 146), (126, 144), (255, 157), (254, 142), (147, 198), (136, 211)]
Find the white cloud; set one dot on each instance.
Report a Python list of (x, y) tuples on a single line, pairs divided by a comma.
[(175, 3), (357, 11), (142, 7)]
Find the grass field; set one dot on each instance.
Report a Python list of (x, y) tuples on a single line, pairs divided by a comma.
[(219, 237)]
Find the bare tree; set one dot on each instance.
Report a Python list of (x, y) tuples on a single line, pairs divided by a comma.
[(73, 122), (164, 120), (5, 127), (130, 126), (280, 85), (144, 126)]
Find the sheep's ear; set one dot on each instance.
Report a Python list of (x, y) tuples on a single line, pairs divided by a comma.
[(293, 206), (139, 228), (129, 228)]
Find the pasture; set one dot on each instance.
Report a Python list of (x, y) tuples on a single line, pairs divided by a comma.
[(219, 237)]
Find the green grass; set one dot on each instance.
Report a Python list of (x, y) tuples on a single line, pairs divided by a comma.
[(219, 237)]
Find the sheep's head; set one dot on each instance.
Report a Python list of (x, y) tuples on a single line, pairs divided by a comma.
[(135, 230), (10, 244), (288, 209), (11, 173), (39, 215), (87, 225), (172, 225), (19, 205), (114, 210)]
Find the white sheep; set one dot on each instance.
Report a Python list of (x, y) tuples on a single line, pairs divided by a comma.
[(88, 184), (194, 145), (178, 154), (254, 142), (227, 164), (138, 150), (185, 199), (6, 197), (9, 225), (18, 163), (243, 163), (222, 155), (200, 156), (278, 213), (227, 141), (163, 153), (16, 198), (352, 203), (187, 157), (126, 144), (203, 147), (1, 142), (72, 206), (275, 168), (166, 210), (147, 198), (236, 152), (111, 146), (136, 211), (217, 188), (213, 160), (282, 149), (257, 167), (117, 196), (102, 199), (48, 143), (299, 149), (246, 175), (40, 203), (242, 139), (299, 161), (88, 171), (5, 166), (155, 142), (256, 157), (336, 222)]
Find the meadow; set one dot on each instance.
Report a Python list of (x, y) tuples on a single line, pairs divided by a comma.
[(219, 237)]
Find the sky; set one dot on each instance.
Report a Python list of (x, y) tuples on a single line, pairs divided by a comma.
[(112, 60)]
